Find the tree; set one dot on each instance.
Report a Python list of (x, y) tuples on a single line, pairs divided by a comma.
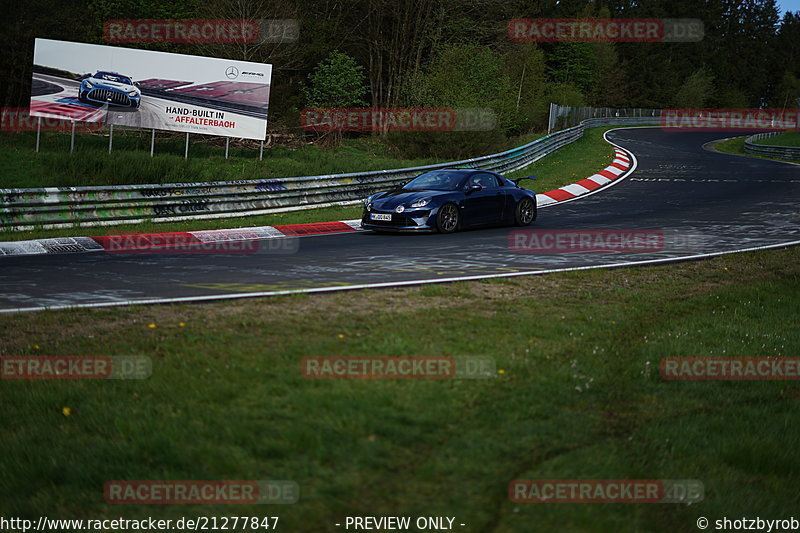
[(571, 63), (524, 68), (787, 92), (731, 98), (696, 91), (337, 81), (460, 76), (609, 80), (788, 41)]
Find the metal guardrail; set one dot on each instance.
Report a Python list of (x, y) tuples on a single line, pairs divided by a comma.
[(561, 117), (20, 209), (784, 152)]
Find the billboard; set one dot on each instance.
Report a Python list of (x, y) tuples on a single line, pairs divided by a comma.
[(146, 89)]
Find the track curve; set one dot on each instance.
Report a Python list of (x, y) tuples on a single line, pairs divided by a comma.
[(725, 203)]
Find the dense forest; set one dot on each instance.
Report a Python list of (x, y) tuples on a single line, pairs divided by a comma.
[(457, 53)]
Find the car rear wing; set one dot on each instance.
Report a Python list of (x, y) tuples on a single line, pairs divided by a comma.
[(517, 180)]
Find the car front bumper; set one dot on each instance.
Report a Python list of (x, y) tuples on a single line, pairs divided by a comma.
[(420, 220), (111, 97)]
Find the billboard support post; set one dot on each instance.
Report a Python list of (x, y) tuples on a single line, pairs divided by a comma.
[(227, 144), (110, 136), (72, 139), (261, 152), (152, 141), (186, 150), (38, 132)]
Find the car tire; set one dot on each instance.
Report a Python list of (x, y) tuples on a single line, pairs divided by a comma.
[(525, 213), (448, 219)]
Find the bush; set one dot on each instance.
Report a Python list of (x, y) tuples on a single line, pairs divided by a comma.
[(446, 145)]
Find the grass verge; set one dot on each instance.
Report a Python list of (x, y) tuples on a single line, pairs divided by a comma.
[(736, 146), (579, 397), (130, 161), (788, 138), (572, 163)]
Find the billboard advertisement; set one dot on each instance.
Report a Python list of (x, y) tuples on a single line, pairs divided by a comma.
[(146, 89)]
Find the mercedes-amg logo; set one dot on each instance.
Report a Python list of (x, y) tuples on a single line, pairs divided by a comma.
[(232, 72)]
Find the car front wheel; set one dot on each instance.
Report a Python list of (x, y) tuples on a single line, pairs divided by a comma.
[(447, 219)]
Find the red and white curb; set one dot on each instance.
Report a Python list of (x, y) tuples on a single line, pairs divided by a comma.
[(145, 241), (621, 165)]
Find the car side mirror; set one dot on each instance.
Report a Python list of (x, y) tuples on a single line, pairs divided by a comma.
[(472, 188)]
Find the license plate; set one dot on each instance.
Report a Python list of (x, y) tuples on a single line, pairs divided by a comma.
[(380, 216)]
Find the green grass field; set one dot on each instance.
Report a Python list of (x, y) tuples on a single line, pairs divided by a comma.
[(735, 146), (577, 396), (572, 163), (130, 161), (789, 138)]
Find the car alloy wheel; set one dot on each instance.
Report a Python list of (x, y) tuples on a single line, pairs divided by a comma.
[(447, 219), (526, 212)]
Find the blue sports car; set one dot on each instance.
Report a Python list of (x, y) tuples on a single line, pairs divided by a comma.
[(110, 88), (450, 199)]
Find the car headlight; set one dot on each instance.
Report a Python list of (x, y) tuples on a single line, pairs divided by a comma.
[(88, 85), (421, 203), (133, 93)]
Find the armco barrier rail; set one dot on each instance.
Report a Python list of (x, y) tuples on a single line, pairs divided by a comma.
[(561, 117), (105, 205), (784, 152)]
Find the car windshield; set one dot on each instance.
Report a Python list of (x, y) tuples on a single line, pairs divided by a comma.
[(436, 180), (112, 77)]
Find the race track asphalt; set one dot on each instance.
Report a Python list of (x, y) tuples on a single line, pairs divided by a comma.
[(698, 201)]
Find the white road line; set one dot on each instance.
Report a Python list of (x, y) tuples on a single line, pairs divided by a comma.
[(237, 296)]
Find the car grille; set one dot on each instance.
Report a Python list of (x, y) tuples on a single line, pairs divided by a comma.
[(104, 95), (396, 221)]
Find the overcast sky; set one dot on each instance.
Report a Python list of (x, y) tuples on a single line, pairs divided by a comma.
[(141, 64)]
